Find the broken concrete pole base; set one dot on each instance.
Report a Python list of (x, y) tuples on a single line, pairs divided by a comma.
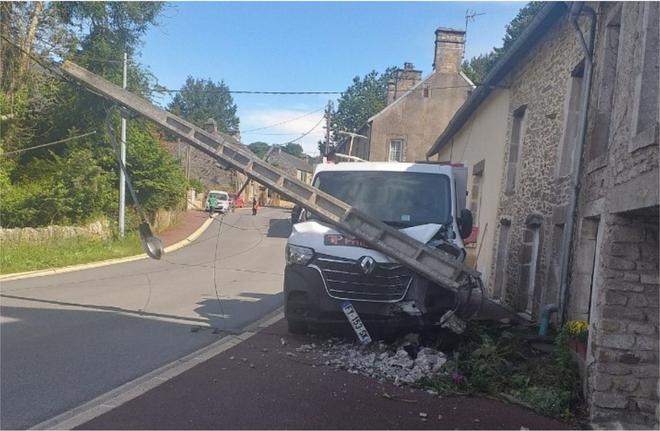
[(453, 323)]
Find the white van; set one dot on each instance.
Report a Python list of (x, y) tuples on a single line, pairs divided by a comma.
[(326, 267), (222, 198)]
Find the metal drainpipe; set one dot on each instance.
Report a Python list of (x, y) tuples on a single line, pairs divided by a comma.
[(588, 47)]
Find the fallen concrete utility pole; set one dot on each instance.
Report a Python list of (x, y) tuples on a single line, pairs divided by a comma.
[(437, 266)]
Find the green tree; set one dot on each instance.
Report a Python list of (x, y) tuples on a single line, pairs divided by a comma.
[(293, 149), (69, 183), (159, 182), (259, 148), (365, 97), (478, 67), (201, 99)]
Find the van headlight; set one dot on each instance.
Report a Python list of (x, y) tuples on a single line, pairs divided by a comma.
[(298, 255)]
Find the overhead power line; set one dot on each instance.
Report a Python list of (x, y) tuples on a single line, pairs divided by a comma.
[(306, 133), (283, 122), (72, 138), (168, 90)]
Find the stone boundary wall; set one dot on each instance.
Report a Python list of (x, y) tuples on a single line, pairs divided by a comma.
[(99, 229), (164, 219)]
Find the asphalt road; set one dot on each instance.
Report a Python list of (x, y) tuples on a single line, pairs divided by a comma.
[(65, 339)]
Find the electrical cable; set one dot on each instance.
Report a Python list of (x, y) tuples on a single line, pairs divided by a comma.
[(215, 281), (306, 133), (167, 90), (49, 144), (283, 122)]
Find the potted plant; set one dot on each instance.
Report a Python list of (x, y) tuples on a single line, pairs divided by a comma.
[(577, 334)]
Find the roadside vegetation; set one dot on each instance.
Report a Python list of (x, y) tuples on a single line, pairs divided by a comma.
[(24, 256), (73, 182), (500, 361), (57, 164)]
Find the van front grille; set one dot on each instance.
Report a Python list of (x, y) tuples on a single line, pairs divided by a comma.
[(344, 279)]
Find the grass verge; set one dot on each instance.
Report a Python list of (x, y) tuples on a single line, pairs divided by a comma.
[(64, 252)]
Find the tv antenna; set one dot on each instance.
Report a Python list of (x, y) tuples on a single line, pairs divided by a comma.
[(470, 16)]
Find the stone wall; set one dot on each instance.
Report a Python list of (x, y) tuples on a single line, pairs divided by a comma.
[(99, 229), (619, 195), (418, 117), (202, 167), (623, 344), (164, 219), (538, 91)]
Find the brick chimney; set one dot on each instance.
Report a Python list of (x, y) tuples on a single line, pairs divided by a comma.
[(449, 45), (211, 126), (404, 80), (391, 91)]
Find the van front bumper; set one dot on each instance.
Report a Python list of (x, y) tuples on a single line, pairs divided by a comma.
[(307, 300)]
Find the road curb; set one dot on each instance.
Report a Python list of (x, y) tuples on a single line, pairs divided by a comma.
[(52, 271), (133, 389)]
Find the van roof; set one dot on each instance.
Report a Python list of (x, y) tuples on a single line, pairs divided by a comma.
[(430, 168), (218, 192)]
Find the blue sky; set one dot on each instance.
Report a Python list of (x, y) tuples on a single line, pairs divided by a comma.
[(303, 46)]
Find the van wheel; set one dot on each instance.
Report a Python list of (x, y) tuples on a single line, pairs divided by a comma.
[(296, 327)]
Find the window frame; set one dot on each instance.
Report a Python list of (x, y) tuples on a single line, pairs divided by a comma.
[(518, 130), (389, 154), (644, 135)]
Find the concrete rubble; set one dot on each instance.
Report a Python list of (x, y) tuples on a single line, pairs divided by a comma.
[(403, 362)]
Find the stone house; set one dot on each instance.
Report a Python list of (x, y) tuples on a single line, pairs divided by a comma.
[(199, 166), (294, 166), (574, 207), (508, 133), (613, 278), (418, 109)]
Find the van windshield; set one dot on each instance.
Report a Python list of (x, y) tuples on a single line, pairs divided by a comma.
[(401, 199), (220, 196)]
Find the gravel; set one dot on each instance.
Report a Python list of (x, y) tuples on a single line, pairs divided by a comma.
[(403, 362)]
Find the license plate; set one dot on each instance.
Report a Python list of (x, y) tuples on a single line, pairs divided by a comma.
[(356, 322)]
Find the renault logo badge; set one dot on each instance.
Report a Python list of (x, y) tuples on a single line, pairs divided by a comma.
[(367, 264)]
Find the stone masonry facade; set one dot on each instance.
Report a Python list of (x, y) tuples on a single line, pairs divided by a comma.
[(613, 254), (618, 201), (530, 190), (418, 109)]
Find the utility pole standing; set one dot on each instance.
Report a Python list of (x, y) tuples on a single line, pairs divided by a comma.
[(122, 156), (328, 116)]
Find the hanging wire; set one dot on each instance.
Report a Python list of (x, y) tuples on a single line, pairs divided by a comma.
[(73, 138), (306, 133), (284, 122)]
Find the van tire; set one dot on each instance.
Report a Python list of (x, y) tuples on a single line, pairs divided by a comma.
[(296, 327)]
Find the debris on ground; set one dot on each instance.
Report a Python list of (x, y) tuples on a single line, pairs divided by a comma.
[(497, 359), (403, 362)]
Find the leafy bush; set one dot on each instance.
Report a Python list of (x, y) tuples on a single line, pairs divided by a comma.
[(497, 360), (63, 190), (159, 182), (196, 185), (81, 183)]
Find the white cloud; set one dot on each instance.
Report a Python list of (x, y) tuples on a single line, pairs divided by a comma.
[(291, 128)]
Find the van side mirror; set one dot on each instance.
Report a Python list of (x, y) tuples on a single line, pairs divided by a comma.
[(295, 214), (465, 223)]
